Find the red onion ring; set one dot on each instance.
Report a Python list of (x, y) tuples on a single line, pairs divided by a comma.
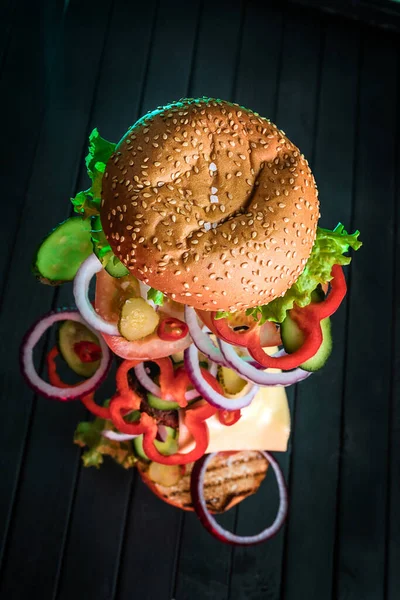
[(201, 339), (254, 375), (209, 521), (192, 367), (41, 386), (85, 273)]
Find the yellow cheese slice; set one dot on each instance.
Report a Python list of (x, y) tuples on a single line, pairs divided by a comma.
[(264, 425)]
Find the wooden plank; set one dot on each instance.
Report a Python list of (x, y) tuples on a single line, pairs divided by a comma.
[(152, 528), (316, 427), (102, 497), (204, 563), (7, 20), (49, 468), (39, 25), (260, 55), (258, 569), (392, 579), (363, 478)]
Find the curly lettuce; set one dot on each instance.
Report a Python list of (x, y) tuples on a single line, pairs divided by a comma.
[(87, 203), (329, 249), (88, 435)]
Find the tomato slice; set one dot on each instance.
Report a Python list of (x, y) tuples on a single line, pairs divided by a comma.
[(109, 292)]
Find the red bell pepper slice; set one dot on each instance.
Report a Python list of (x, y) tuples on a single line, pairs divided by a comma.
[(171, 330), (99, 411), (308, 319), (123, 404), (195, 422)]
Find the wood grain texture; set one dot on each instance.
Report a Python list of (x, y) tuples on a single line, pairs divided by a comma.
[(316, 426), (363, 479), (333, 86), (26, 76), (38, 516)]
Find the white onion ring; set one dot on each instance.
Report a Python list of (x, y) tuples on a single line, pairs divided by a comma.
[(41, 386), (192, 367), (254, 375), (115, 436), (209, 521), (86, 271), (155, 389), (144, 288), (201, 339)]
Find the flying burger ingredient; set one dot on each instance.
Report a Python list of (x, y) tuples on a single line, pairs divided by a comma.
[(161, 404), (166, 447), (210, 523), (328, 250), (41, 386), (167, 475), (61, 253), (88, 435), (137, 319), (71, 336), (213, 395), (232, 383), (293, 339), (260, 208), (87, 203), (102, 250), (170, 329)]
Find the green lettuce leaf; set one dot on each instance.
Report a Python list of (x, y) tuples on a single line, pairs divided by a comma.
[(88, 435), (156, 296), (329, 249), (87, 203)]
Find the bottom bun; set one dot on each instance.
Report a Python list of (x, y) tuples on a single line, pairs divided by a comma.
[(230, 478)]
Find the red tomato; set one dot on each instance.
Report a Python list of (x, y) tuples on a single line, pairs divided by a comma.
[(109, 292)]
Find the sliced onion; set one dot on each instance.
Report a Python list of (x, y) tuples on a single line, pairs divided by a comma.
[(86, 271), (209, 521), (155, 389), (115, 436), (144, 288), (41, 386), (162, 432), (254, 374), (192, 367), (201, 339)]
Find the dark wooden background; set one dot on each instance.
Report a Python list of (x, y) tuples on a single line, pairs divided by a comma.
[(69, 533)]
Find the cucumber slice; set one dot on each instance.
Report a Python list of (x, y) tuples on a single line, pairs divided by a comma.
[(161, 404), (292, 339), (69, 334), (63, 251), (102, 250), (170, 446)]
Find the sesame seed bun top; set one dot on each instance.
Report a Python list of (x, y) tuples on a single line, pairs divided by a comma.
[(211, 204)]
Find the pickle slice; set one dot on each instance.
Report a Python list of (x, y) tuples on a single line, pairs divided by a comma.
[(137, 319)]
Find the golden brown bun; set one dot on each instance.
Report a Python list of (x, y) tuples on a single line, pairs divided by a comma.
[(228, 481), (211, 204)]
